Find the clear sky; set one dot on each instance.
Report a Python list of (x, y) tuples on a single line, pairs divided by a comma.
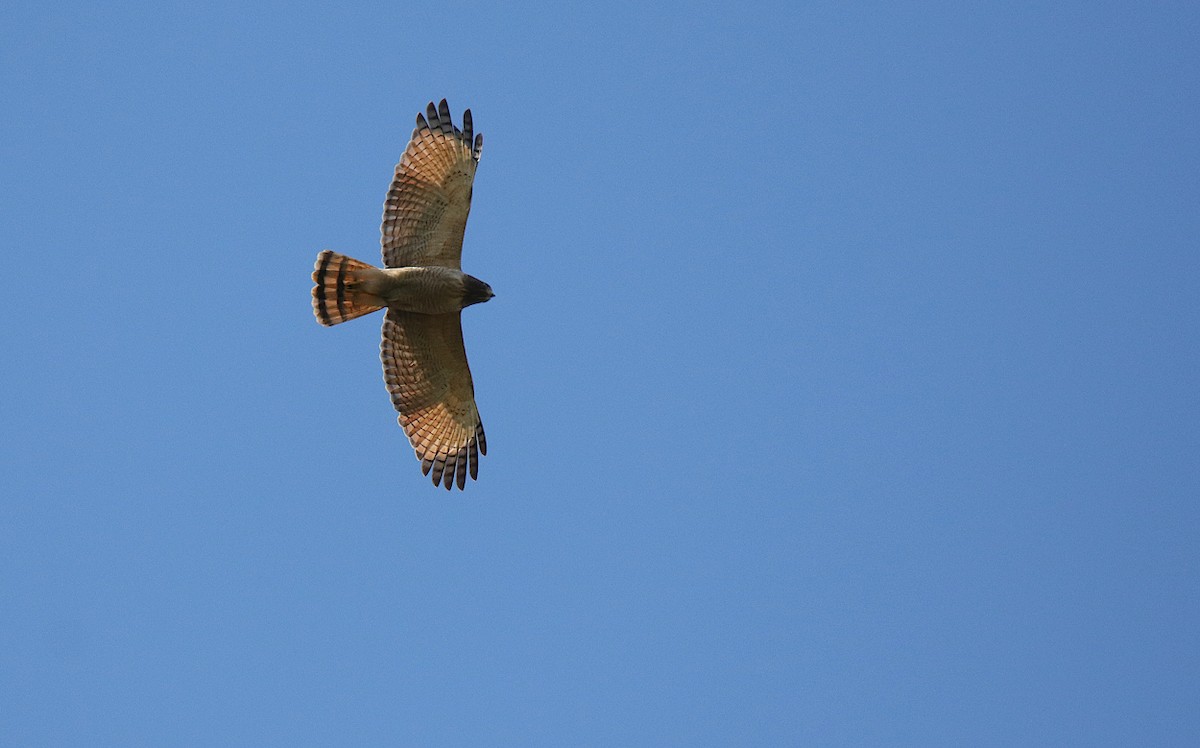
[(841, 385)]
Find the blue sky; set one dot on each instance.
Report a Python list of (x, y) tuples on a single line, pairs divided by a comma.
[(840, 387)]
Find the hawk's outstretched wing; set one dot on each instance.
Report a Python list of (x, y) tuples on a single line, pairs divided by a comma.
[(425, 368), (425, 214)]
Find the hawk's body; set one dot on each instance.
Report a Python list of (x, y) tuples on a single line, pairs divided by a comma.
[(424, 290)]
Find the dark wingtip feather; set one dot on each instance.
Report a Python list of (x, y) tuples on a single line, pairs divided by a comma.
[(461, 472), (468, 126), (439, 468), (451, 468)]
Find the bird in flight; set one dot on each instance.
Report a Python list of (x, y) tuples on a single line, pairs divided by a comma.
[(424, 290)]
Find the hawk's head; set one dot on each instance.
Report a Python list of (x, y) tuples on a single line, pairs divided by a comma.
[(475, 291)]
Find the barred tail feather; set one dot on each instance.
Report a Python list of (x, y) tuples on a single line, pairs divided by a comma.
[(336, 296)]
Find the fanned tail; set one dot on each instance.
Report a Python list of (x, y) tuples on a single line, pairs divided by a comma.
[(336, 297)]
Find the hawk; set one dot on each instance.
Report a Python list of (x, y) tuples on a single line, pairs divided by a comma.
[(424, 290)]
